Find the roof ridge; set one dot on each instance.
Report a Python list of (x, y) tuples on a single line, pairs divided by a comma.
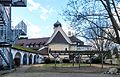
[(38, 38)]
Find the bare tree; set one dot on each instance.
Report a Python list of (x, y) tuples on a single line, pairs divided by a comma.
[(100, 14)]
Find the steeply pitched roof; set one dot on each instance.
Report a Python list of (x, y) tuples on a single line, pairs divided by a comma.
[(59, 32), (58, 38)]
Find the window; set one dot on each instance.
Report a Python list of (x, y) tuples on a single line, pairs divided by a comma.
[(37, 45), (31, 45), (65, 49), (78, 44), (27, 46)]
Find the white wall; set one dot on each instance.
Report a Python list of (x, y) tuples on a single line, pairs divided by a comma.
[(60, 47), (83, 48), (73, 48), (14, 51)]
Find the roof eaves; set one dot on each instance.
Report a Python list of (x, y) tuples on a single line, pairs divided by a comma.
[(23, 48)]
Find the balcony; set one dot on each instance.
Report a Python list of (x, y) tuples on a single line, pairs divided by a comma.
[(15, 3), (19, 3), (5, 2)]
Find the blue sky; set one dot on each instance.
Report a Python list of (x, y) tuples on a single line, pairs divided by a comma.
[(40, 15)]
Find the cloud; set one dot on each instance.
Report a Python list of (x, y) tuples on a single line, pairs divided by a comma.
[(33, 30), (44, 12), (33, 5)]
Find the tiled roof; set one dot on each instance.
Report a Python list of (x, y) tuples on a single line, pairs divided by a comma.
[(75, 39), (43, 51), (57, 39), (32, 41)]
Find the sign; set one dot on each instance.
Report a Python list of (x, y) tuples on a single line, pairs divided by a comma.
[(55, 55)]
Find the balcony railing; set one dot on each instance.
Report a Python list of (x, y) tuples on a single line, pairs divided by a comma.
[(5, 2), (5, 16), (4, 19), (15, 3), (19, 3), (4, 55)]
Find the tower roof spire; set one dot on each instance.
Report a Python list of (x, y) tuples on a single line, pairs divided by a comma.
[(57, 24)]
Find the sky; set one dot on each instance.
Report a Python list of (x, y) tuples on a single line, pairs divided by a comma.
[(39, 16)]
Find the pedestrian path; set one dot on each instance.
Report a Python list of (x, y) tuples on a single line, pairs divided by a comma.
[(22, 69)]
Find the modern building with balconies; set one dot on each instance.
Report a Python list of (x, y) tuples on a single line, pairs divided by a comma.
[(6, 33)]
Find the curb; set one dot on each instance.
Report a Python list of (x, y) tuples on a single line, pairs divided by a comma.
[(6, 72), (112, 73)]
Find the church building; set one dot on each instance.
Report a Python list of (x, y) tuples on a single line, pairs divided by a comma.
[(58, 41)]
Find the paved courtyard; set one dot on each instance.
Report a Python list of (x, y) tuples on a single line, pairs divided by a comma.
[(58, 75), (31, 71)]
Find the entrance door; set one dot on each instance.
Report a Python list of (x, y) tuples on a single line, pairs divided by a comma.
[(17, 59), (25, 59), (30, 59)]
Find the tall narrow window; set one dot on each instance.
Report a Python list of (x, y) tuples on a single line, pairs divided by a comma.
[(65, 49)]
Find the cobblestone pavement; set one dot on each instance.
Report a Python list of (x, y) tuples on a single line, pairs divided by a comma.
[(21, 72)]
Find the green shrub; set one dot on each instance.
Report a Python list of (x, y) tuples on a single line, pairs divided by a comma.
[(66, 61), (47, 60)]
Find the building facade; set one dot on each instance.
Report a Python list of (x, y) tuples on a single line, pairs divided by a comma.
[(58, 41), (8, 53)]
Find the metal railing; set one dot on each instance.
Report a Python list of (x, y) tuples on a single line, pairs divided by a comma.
[(4, 56), (23, 2), (4, 14), (5, 20)]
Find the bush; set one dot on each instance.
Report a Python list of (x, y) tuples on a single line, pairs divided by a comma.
[(53, 61), (47, 60), (96, 60), (66, 61)]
